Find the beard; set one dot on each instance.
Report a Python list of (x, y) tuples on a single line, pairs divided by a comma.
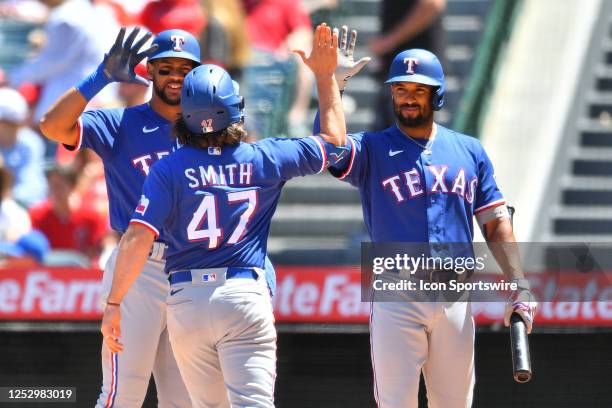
[(159, 91), (420, 119)]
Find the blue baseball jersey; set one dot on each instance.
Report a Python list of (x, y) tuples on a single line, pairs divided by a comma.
[(129, 141), (216, 205), (408, 195)]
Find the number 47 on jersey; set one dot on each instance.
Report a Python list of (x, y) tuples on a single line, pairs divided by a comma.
[(208, 211)]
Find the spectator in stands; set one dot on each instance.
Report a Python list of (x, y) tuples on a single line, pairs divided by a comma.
[(31, 11), (163, 15), (68, 223), (14, 219), (273, 80), (224, 40), (91, 189), (405, 24), (76, 38), (23, 150), (28, 251)]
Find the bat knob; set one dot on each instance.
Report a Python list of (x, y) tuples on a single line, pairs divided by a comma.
[(521, 361), (522, 376)]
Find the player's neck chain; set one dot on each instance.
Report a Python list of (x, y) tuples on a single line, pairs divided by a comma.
[(426, 147)]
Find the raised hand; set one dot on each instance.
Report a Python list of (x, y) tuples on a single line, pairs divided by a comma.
[(323, 58), (347, 67), (120, 61)]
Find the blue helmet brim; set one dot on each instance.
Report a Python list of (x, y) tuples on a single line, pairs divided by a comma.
[(416, 78), (176, 54)]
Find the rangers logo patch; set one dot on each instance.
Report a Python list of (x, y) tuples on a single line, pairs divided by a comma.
[(142, 205)]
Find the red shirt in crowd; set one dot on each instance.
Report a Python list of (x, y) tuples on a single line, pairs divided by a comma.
[(163, 15), (83, 231), (269, 22)]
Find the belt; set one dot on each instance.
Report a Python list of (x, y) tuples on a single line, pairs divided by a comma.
[(211, 275), (158, 251)]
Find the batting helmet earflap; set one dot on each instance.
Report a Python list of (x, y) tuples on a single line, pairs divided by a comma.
[(422, 67), (176, 44), (210, 100)]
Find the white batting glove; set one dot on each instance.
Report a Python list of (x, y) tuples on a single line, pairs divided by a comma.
[(521, 301), (347, 67)]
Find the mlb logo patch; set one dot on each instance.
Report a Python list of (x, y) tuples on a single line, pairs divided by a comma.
[(209, 277), (214, 151), (142, 205)]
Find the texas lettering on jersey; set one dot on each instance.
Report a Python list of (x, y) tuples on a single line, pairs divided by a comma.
[(408, 184), (144, 162), (129, 141), (414, 194)]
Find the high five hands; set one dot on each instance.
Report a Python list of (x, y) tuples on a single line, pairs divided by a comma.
[(323, 58)]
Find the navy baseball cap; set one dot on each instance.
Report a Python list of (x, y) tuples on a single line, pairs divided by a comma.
[(176, 44)]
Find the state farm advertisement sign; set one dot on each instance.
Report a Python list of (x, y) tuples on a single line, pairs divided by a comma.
[(50, 294), (304, 295)]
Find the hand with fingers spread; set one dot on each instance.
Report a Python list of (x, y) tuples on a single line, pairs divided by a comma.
[(347, 66), (120, 61), (323, 58), (111, 327)]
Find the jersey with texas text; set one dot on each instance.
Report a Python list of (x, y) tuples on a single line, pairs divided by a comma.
[(129, 141), (410, 193), (216, 205)]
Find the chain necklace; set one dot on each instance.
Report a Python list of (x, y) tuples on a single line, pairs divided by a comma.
[(426, 147)]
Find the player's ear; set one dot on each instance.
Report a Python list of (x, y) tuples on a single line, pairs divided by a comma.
[(150, 69)]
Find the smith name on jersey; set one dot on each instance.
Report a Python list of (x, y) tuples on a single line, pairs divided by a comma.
[(216, 205)]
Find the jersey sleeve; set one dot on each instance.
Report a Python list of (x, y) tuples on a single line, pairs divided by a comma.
[(487, 194), (156, 201), (97, 130), (288, 158), (354, 165)]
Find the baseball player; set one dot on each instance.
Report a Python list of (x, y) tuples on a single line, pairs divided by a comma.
[(214, 198), (422, 183), (129, 141)]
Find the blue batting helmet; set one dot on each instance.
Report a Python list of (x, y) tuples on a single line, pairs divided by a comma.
[(422, 67), (210, 100), (176, 44)]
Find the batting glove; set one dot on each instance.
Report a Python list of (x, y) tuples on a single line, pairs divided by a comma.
[(119, 62), (523, 302), (347, 67)]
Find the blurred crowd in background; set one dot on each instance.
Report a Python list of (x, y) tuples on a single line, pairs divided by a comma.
[(53, 203)]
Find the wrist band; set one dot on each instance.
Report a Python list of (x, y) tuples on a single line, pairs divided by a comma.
[(93, 83), (113, 304)]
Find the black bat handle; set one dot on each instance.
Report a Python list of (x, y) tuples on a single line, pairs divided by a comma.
[(521, 361)]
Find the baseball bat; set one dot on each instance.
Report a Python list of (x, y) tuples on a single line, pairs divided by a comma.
[(521, 361)]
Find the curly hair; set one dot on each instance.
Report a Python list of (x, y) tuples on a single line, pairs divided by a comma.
[(230, 136)]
